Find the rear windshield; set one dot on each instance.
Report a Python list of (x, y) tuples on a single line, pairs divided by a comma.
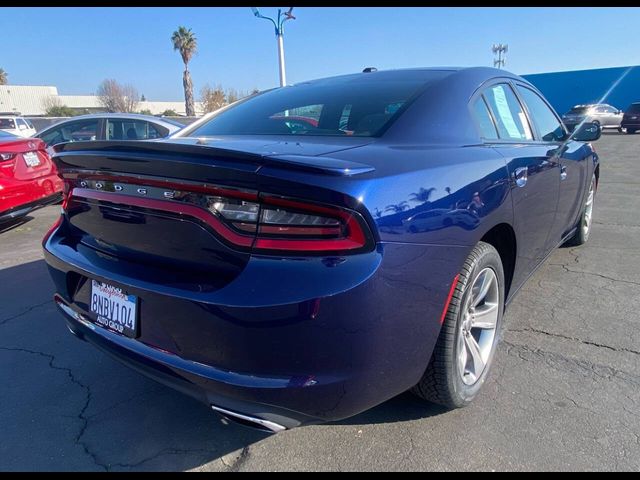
[(360, 106), (634, 108), (8, 123)]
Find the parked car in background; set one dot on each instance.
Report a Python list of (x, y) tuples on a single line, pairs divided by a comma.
[(28, 177), (631, 118), (244, 263), (602, 114), (16, 125), (108, 126)]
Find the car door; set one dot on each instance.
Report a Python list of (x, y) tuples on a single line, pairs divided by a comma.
[(535, 176), (571, 155)]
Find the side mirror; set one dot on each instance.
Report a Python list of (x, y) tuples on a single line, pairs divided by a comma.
[(588, 132)]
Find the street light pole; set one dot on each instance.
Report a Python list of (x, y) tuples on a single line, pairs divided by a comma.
[(278, 23)]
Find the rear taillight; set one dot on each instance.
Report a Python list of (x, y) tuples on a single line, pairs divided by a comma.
[(246, 220), (289, 225), (6, 156)]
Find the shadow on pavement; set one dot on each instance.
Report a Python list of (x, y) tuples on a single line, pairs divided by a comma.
[(11, 224)]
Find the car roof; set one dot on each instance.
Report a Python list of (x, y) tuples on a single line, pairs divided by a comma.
[(171, 124)]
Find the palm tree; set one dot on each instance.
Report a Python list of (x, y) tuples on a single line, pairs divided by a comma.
[(422, 195), (185, 41), (398, 207), (3, 77)]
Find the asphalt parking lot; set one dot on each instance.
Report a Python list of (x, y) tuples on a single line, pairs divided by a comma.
[(563, 395)]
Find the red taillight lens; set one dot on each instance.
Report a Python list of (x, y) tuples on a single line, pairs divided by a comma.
[(298, 226), (246, 220)]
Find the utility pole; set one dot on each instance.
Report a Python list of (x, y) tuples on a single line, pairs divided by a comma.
[(499, 49), (277, 23)]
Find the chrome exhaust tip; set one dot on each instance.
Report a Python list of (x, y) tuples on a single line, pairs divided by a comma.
[(249, 421)]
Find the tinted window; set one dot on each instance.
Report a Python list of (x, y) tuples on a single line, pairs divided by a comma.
[(634, 108), (8, 123), (483, 118), (359, 105), (548, 125), (511, 121), (579, 110), (131, 130), (71, 132)]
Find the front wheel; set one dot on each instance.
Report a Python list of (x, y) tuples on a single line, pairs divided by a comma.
[(465, 348), (586, 218)]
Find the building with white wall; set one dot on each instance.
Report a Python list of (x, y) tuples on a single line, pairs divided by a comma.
[(30, 100)]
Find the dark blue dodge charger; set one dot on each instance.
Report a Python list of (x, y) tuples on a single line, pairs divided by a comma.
[(314, 250)]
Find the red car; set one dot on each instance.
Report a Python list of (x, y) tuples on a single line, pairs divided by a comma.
[(28, 177)]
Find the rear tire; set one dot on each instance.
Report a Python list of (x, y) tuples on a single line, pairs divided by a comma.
[(586, 217), (464, 353)]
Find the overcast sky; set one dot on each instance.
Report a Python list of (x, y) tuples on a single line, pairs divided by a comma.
[(74, 49)]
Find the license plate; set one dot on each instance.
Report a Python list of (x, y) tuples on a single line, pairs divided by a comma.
[(115, 309), (31, 159)]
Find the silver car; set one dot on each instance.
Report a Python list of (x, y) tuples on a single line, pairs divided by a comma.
[(108, 126), (601, 114)]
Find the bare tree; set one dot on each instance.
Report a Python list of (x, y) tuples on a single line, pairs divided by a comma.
[(3, 77), (232, 95), (53, 107), (117, 98), (212, 98)]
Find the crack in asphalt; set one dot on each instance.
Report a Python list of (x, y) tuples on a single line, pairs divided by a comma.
[(575, 339), (161, 453), (83, 419), (563, 363), (238, 462), (580, 272), (24, 312)]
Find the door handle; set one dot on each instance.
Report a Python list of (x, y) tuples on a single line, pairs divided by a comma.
[(520, 175), (563, 173)]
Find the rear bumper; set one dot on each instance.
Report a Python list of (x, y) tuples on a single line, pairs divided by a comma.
[(355, 332), (631, 124), (24, 209), (19, 197)]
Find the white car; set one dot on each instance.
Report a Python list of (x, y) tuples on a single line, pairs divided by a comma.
[(17, 126)]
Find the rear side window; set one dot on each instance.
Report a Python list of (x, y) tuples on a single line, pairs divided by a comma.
[(548, 124), (483, 119), (131, 130), (511, 121), (634, 108)]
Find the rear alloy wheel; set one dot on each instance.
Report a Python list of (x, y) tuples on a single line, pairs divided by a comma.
[(584, 226), (465, 348)]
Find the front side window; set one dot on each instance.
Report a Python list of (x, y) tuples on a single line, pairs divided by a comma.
[(72, 132), (548, 124), (511, 121), (359, 106)]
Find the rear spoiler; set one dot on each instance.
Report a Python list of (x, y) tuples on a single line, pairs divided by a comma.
[(101, 155)]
